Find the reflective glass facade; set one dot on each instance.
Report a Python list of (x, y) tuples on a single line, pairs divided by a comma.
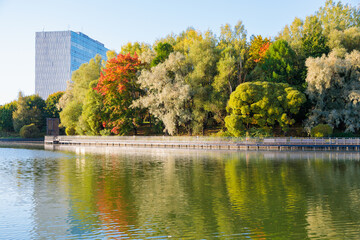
[(57, 55)]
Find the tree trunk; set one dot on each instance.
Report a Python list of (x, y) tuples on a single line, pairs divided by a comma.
[(150, 119), (230, 88)]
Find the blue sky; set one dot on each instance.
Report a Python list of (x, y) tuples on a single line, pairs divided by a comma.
[(115, 23)]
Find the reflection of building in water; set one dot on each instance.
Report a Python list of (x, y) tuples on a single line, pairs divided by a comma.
[(50, 211)]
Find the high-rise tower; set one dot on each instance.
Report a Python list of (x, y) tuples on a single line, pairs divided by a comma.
[(58, 54)]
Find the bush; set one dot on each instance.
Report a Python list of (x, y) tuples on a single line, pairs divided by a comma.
[(70, 131), (321, 130), (222, 133), (262, 105), (29, 131), (344, 135), (105, 132)]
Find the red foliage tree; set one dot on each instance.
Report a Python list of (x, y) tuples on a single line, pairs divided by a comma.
[(262, 52), (118, 86)]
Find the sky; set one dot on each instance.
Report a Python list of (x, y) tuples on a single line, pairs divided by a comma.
[(117, 22)]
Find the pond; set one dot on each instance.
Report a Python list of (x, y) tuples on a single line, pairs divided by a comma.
[(138, 193)]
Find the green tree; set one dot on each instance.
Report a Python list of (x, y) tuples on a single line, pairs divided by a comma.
[(29, 110), (262, 105), (162, 52), (334, 89), (29, 131), (232, 52), (90, 121), (314, 43), (6, 119), (72, 100), (280, 64), (338, 16), (52, 109), (202, 58), (293, 34), (186, 39), (231, 67), (345, 41), (133, 48)]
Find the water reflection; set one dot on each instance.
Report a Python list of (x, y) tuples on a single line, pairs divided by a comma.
[(83, 192)]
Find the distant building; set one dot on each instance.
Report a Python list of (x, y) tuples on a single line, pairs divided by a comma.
[(57, 55)]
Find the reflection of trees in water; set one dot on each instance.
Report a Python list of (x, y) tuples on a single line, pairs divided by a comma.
[(301, 188), (195, 194)]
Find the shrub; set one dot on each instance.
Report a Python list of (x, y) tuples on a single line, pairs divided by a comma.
[(321, 130), (105, 132), (262, 105), (222, 133), (29, 131), (70, 131)]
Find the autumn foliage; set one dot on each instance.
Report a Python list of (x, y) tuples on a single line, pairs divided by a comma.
[(117, 85), (262, 51), (257, 50)]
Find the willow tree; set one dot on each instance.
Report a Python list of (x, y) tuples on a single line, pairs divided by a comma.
[(166, 93), (262, 105), (334, 89)]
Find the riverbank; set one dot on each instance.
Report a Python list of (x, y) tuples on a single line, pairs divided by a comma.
[(196, 142), (22, 142)]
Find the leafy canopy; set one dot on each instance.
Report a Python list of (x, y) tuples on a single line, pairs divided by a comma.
[(118, 87), (263, 105), (334, 89)]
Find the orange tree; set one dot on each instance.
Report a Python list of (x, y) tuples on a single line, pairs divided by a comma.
[(117, 85), (257, 50)]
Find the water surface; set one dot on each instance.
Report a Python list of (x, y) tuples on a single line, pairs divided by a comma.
[(102, 193)]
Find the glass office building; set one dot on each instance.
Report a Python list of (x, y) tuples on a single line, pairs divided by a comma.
[(57, 55)]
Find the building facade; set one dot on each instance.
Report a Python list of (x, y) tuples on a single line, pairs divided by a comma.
[(57, 55)]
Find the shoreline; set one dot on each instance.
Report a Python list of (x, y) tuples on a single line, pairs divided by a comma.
[(22, 142), (206, 143)]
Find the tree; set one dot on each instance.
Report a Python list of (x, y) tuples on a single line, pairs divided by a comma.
[(231, 70), (117, 85), (338, 16), (167, 95), (52, 109), (202, 58), (293, 34), (186, 39), (334, 89), (345, 41), (257, 50), (90, 121), (133, 48), (314, 42), (280, 64), (231, 67), (263, 105), (29, 110), (6, 119), (72, 100), (162, 52)]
